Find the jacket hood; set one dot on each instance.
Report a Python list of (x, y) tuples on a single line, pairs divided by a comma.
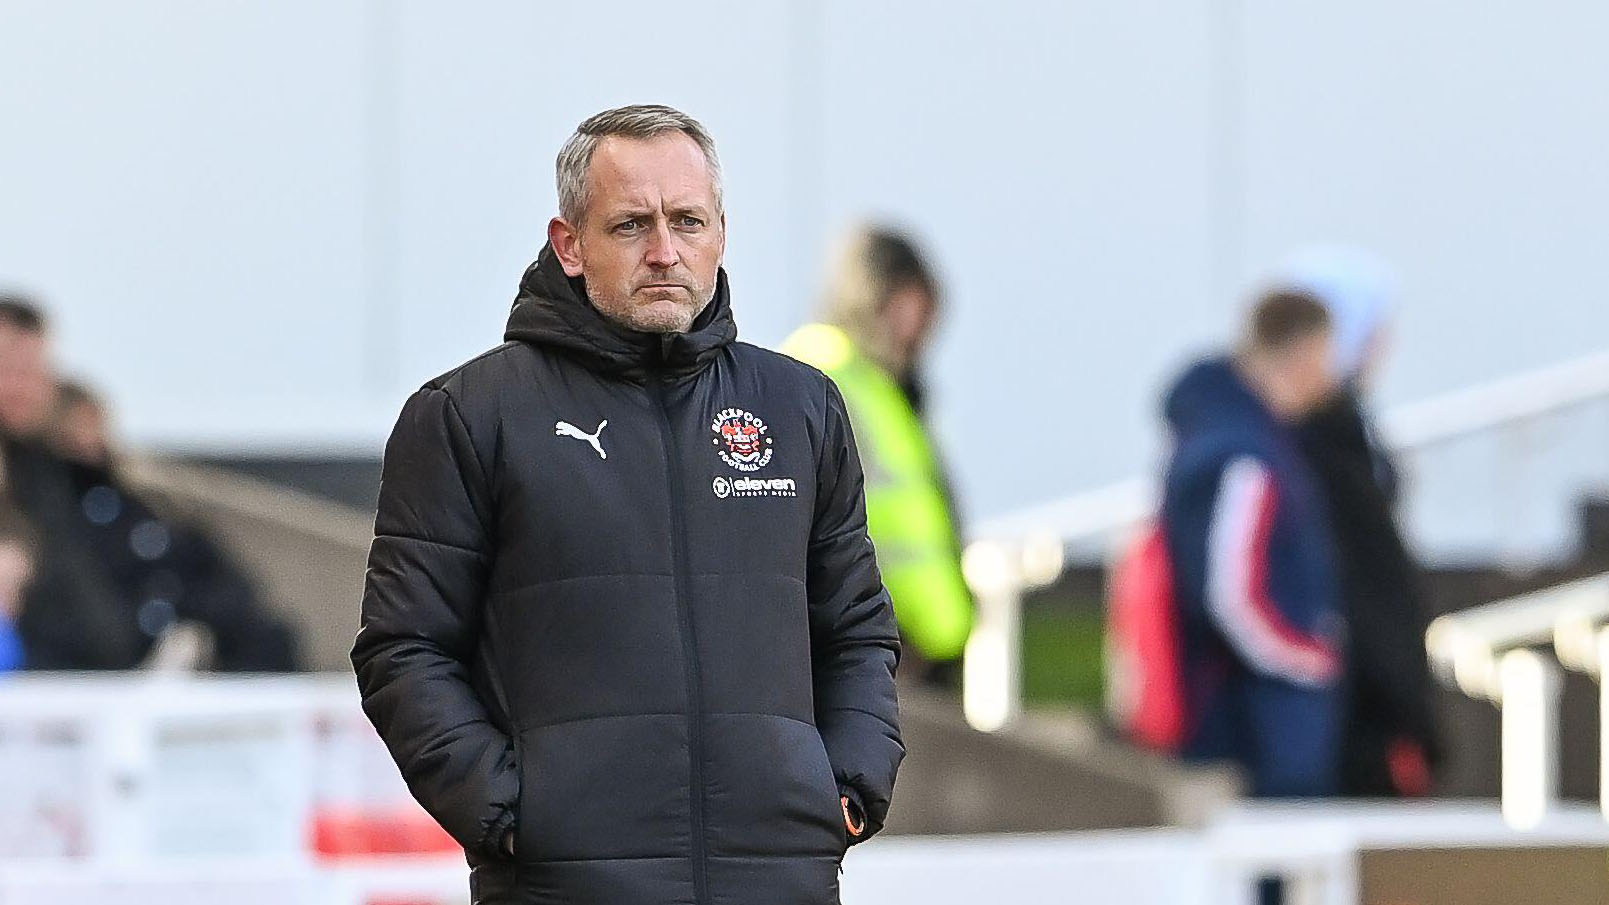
[(1211, 395), (552, 310)]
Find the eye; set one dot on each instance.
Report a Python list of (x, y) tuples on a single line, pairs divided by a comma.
[(628, 226), (688, 221)]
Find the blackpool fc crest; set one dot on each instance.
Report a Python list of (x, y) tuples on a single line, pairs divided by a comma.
[(741, 439)]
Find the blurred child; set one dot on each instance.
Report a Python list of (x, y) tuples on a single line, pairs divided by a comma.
[(17, 553)]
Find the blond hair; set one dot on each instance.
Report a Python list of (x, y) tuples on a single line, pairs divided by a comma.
[(871, 264)]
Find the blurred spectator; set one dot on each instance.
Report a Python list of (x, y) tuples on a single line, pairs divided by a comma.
[(18, 550), (80, 430), (27, 389), (71, 616), (881, 305), (167, 570), (113, 576), (1389, 733), (1250, 548)]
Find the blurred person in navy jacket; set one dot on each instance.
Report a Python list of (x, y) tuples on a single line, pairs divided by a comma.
[(1249, 541), (1389, 738)]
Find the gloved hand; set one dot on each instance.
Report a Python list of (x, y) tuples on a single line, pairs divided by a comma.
[(1410, 768)]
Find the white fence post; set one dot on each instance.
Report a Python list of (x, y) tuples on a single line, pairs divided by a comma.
[(991, 676), (1530, 714), (1603, 721)]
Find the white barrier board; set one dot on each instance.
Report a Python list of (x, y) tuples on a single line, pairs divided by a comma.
[(117, 789)]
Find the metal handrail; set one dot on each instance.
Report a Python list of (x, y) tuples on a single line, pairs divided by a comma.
[(1495, 652), (1464, 646), (1407, 428)]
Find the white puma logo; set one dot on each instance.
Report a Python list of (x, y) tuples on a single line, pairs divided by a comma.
[(566, 429)]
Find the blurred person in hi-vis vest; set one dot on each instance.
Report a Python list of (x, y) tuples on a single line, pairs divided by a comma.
[(877, 316)]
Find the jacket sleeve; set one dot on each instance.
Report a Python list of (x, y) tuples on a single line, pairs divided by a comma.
[(854, 640), (421, 624), (1290, 705), (1273, 637)]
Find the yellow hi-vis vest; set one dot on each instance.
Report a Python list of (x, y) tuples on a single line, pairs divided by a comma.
[(907, 513)]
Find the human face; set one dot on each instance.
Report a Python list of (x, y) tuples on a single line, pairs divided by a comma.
[(83, 435), (652, 237), (27, 388), (1309, 372), (909, 315)]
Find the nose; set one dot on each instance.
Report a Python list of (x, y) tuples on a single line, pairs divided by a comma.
[(662, 254)]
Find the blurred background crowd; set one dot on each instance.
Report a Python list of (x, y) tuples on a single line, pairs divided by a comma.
[(1200, 356), (97, 575)]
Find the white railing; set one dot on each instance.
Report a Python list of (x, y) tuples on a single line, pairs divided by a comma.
[(129, 789), (1025, 549), (1496, 653), (143, 787)]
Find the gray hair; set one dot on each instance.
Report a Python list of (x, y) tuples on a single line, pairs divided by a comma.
[(636, 121)]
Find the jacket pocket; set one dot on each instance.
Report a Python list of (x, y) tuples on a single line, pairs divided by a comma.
[(771, 790), (830, 782), (606, 787)]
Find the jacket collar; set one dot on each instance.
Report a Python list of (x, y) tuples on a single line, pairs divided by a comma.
[(552, 310)]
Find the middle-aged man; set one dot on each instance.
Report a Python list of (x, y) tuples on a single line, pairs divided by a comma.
[(1250, 545), (623, 629)]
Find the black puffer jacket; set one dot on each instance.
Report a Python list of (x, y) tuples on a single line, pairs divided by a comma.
[(622, 600), (1387, 669), (73, 616), (164, 570)]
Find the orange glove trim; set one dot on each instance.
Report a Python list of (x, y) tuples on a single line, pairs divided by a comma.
[(849, 820)]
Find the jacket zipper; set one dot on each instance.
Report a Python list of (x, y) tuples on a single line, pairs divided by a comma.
[(692, 672)]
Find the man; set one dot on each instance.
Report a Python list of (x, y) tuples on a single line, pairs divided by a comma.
[(881, 305), (71, 616), (27, 382), (623, 629), (1250, 547)]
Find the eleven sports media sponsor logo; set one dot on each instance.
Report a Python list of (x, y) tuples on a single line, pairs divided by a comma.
[(742, 440), (725, 487)]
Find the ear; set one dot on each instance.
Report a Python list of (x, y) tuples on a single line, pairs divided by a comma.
[(721, 258), (566, 242)]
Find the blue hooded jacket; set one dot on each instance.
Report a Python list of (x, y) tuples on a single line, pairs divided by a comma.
[(1255, 584)]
